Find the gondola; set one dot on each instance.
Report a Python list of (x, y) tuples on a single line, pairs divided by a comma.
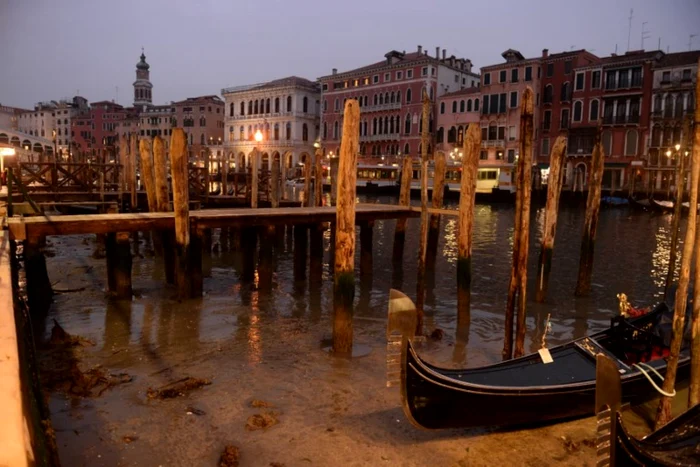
[(526, 390), (662, 206), (675, 444)]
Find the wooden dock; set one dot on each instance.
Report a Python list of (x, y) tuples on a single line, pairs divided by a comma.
[(22, 228)]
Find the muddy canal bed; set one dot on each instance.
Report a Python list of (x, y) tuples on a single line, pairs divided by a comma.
[(275, 392)]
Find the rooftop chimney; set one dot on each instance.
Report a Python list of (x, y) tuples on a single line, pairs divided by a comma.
[(545, 53), (437, 53), (425, 52), (420, 49), (444, 53), (335, 71)]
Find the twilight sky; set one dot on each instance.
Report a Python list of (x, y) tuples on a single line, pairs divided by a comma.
[(53, 49)]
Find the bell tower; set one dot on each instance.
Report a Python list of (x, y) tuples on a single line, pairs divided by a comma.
[(142, 85)]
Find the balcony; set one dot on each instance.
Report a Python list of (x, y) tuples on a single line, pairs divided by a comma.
[(381, 107), (384, 137), (493, 143), (272, 115)]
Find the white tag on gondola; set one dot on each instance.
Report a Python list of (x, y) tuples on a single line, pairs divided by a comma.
[(546, 356)]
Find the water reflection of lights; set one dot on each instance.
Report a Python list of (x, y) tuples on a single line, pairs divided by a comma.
[(660, 255), (449, 252), (254, 337)]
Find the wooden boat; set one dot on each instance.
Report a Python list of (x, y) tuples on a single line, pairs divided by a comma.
[(526, 390), (675, 444), (663, 206)]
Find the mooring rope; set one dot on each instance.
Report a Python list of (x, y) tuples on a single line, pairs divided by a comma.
[(643, 367)]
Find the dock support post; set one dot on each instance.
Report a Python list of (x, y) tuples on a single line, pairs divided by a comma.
[(335, 161), (467, 199), (178, 166), (318, 180), (39, 290), (556, 178), (147, 173), (404, 200), (423, 244), (344, 276), (438, 196), (366, 234), (595, 180), (518, 275)]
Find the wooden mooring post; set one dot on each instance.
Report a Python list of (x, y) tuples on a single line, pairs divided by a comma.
[(124, 161), (404, 200), (595, 180), (147, 173), (133, 157), (119, 263), (676, 221), (554, 182), (663, 414), (467, 200), (344, 276), (318, 179), (160, 177), (438, 196), (423, 248), (517, 287), (178, 166), (335, 162)]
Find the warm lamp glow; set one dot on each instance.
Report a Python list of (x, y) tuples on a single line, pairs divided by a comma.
[(678, 147), (258, 136), (4, 152), (317, 145), (668, 153)]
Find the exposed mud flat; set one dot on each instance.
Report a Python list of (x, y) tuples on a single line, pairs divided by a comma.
[(263, 354)]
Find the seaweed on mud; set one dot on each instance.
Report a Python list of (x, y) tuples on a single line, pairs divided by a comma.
[(230, 456), (260, 404), (59, 337), (261, 421), (178, 388)]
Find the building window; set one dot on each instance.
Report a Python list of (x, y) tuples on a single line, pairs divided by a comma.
[(593, 114), (567, 67), (487, 79), (578, 111), (408, 96), (606, 139), (476, 105), (631, 143), (513, 99), (288, 130), (483, 155), (241, 133), (545, 146), (486, 104), (399, 75), (230, 111), (387, 77), (407, 125), (375, 79), (267, 106), (502, 76), (424, 71), (277, 105), (501, 103), (636, 77), (454, 107), (565, 94), (289, 103), (686, 76), (461, 106), (580, 81), (564, 123), (514, 75), (469, 105), (511, 156), (336, 105), (528, 73), (512, 134), (442, 108), (547, 98), (325, 131), (305, 132), (547, 120), (409, 74), (550, 70), (305, 104)]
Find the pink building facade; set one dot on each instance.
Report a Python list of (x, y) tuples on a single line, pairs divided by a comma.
[(456, 110)]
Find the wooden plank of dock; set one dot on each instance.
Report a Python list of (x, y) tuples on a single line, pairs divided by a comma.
[(22, 228)]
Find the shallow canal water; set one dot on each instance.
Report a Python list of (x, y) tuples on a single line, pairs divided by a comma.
[(257, 339)]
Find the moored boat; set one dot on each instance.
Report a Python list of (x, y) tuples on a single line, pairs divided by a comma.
[(663, 206), (527, 390)]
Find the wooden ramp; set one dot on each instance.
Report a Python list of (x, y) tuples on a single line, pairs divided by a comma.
[(22, 228)]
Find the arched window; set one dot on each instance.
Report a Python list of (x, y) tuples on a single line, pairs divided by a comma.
[(289, 103), (335, 130), (564, 92), (691, 103), (325, 131), (242, 111), (277, 104), (578, 111), (452, 135), (460, 135), (306, 104), (59, 132), (241, 132), (476, 104), (668, 136), (656, 136), (668, 106), (201, 139), (231, 110), (267, 105), (277, 132), (288, 131), (407, 125), (679, 106), (606, 138), (408, 96), (631, 143), (454, 107), (653, 157), (547, 98), (406, 149), (255, 107), (469, 105), (440, 135), (381, 99), (386, 98), (398, 96), (386, 125), (461, 106), (442, 108), (375, 99), (676, 135), (391, 126), (374, 126), (657, 104), (250, 107), (393, 96), (381, 126), (593, 114), (267, 132)]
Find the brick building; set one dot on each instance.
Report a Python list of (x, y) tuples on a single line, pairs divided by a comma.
[(98, 128), (390, 95)]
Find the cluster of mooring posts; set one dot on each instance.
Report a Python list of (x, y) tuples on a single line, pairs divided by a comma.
[(185, 235)]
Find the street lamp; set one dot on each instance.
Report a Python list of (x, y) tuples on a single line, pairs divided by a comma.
[(258, 136), (5, 152)]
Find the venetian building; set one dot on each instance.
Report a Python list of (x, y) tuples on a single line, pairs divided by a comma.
[(285, 111)]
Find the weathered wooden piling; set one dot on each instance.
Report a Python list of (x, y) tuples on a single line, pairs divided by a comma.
[(676, 221), (694, 390), (39, 290), (595, 180), (147, 173), (423, 248), (255, 173), (554, 183), (133, 157), (438, 190), (160, 178), (178, 167), (467, 200), (318, 180), (344, 277), (404, 200), (124, 161), (663, 415), (118, 251), (335, 162), (521, 234), (275, 182)]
